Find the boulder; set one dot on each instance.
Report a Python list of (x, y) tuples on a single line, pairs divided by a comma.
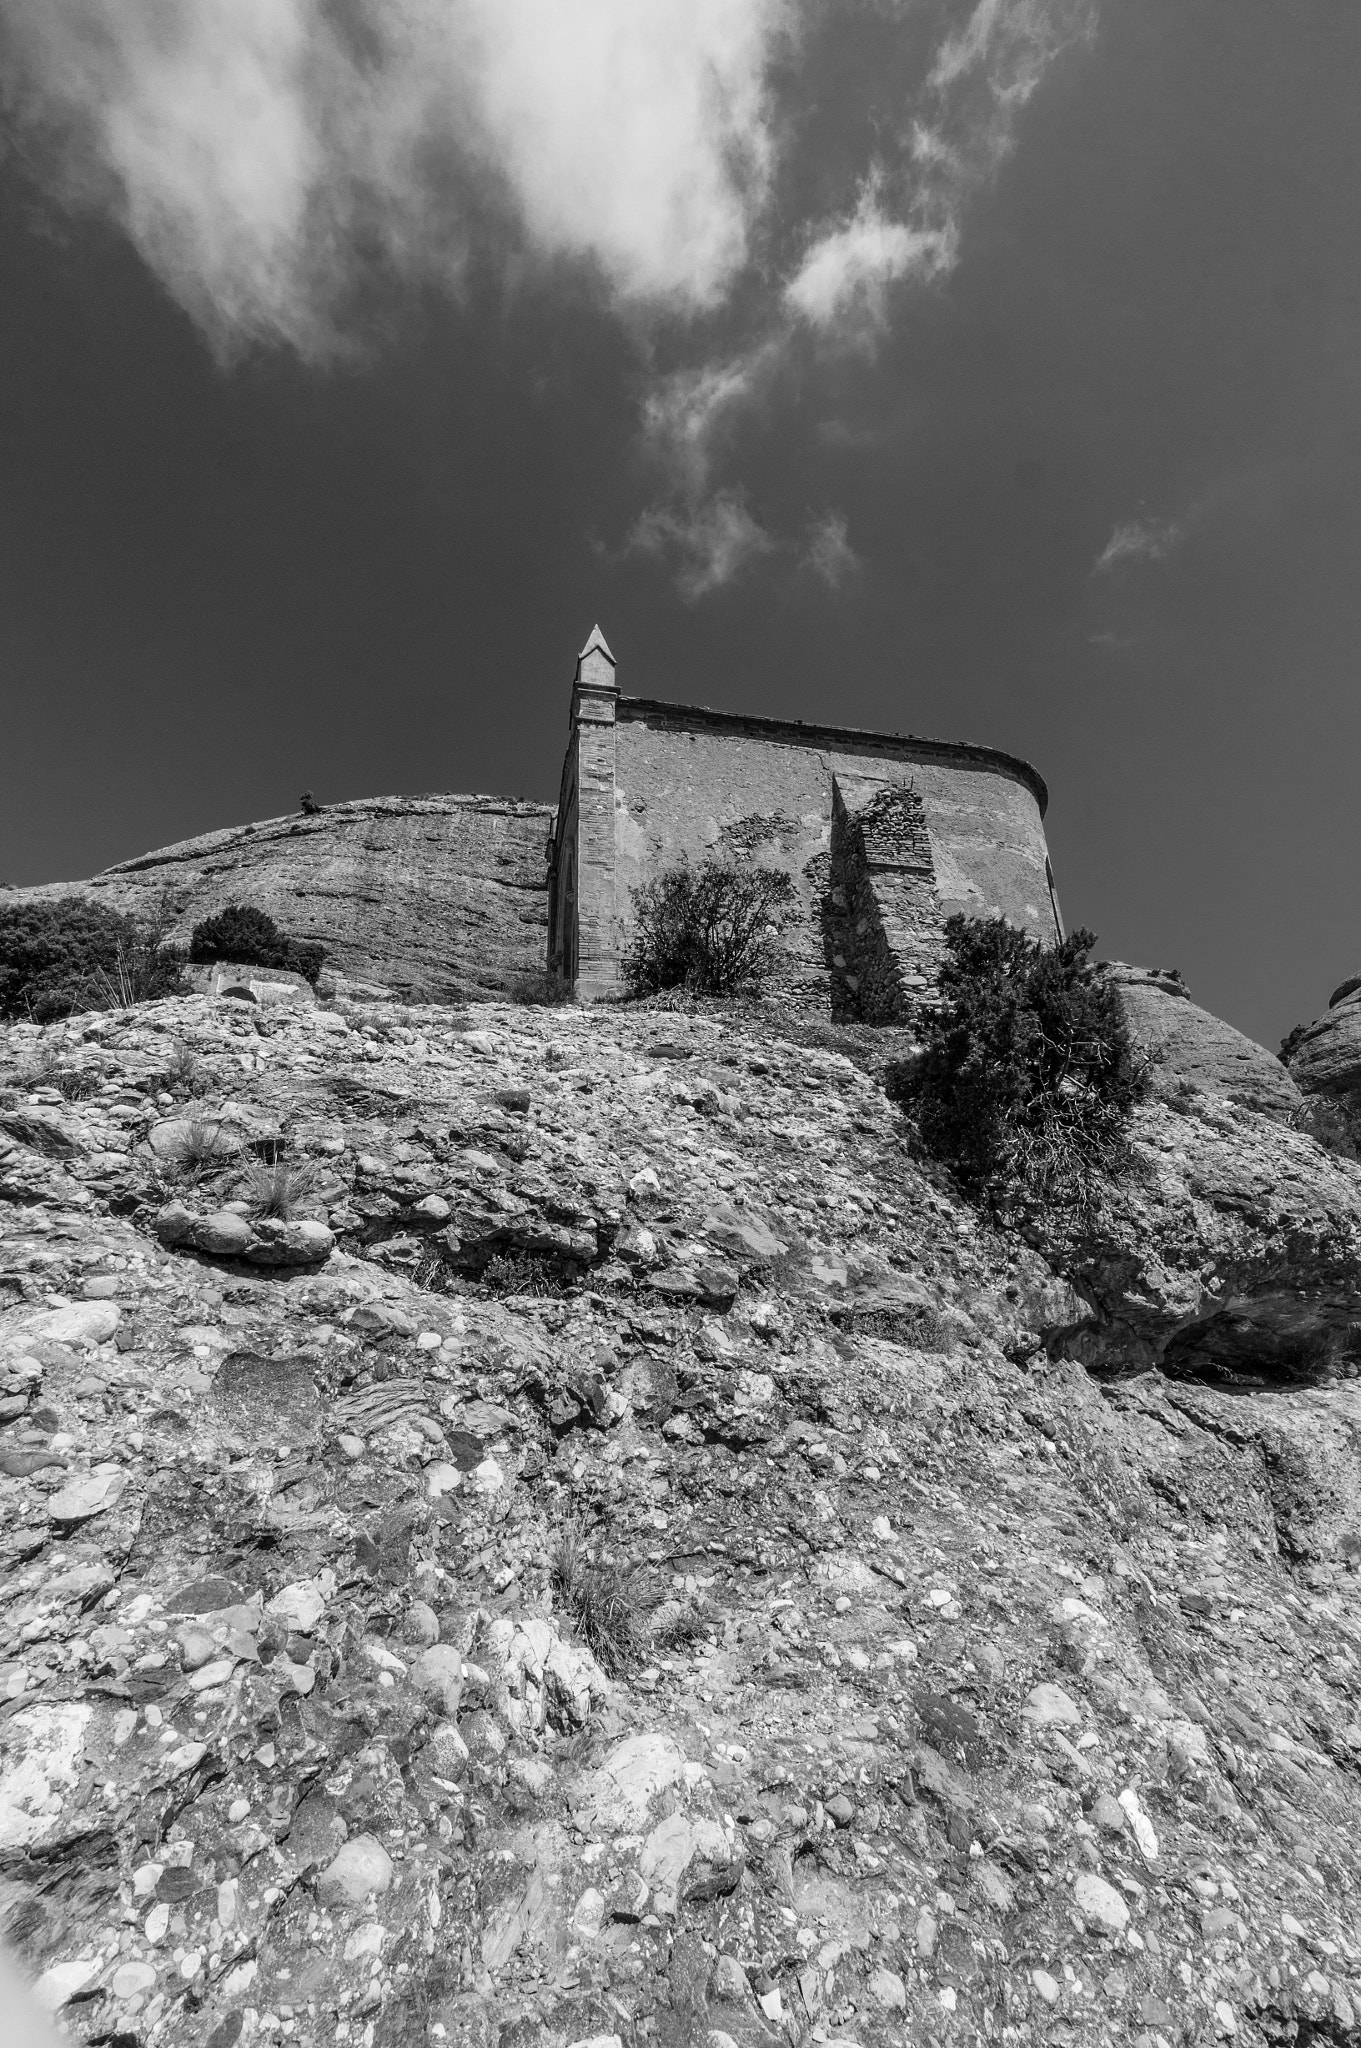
[(619, 1796), (1326, 1057), (227, 1235), (1191, 1048)]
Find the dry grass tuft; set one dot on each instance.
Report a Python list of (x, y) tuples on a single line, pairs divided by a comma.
[(605, 1603), (278, 1190)]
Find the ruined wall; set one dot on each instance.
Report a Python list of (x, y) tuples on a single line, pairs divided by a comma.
[(442, 894), (695, 783), (884, 911)]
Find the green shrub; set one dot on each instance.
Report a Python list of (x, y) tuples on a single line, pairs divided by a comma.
[(71, 954), (249, 937), (1028, 1077), (710, 930)]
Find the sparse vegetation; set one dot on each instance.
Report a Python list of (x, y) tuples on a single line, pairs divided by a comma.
[(1330, 1122), (278, 1190), (185, 1072), (680, 1624), (75, 1084), (543, 991), (1027, 1079), (518, 1272), (605, 1602), (248, 936), (199, 1148), (710, 930), (70, 954)]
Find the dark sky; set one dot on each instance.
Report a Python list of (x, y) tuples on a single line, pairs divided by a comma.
[(225, 581)]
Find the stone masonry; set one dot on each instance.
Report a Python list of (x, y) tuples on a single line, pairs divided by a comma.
[(882, 836)]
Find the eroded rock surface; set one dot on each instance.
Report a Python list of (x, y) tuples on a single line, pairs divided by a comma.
[(1326, 1058), (964, 1695), (1191, 1049)]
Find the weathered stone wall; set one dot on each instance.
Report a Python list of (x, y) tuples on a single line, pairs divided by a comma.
[(692, 783), (440, 895), (884, 915)]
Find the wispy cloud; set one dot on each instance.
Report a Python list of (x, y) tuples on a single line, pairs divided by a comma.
[(846, 275), (709, 542), (264, 154), (828, 553), (1139, 539)]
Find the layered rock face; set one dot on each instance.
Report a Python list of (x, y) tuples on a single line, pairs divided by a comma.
[(655, 1568), (436, 896)]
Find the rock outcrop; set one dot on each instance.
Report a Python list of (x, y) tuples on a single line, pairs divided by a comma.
[(667, 1573), (1232, 1247), (435, 896), (1191, 1049), (1325, 1058)]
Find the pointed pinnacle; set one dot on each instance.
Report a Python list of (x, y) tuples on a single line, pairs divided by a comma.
[(597, 644)]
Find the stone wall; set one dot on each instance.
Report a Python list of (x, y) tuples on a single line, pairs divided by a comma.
[(442, 895), (883, 915), (691, 783)]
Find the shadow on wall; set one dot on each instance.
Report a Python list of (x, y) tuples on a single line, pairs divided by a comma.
[(880, 912)]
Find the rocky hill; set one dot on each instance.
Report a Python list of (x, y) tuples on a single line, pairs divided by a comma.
[(435, 896), (629, 1558)]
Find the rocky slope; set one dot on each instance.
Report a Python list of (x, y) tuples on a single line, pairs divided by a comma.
[(976, 1647)]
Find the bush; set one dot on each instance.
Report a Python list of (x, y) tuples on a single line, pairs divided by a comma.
[(71, 954), (246, 935), (1027, 1079), (709, 930)]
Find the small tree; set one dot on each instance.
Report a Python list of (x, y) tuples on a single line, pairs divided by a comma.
[(244, 933), (710, 930), (1028, 1078)]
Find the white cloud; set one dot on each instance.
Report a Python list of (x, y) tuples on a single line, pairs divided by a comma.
[(284, 166), (259, 152), (711, 541), (828, 553), (1139, 539), (849, 268)]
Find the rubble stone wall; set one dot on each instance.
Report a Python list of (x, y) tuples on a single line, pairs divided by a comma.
[(884, 911)]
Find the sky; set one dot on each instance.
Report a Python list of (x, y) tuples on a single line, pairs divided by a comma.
[(982, 369)]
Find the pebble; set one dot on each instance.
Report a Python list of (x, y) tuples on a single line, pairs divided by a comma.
[(131, 1979), (887, 1990), (1100, 1903), (361, 1869), (1049, 1706)]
